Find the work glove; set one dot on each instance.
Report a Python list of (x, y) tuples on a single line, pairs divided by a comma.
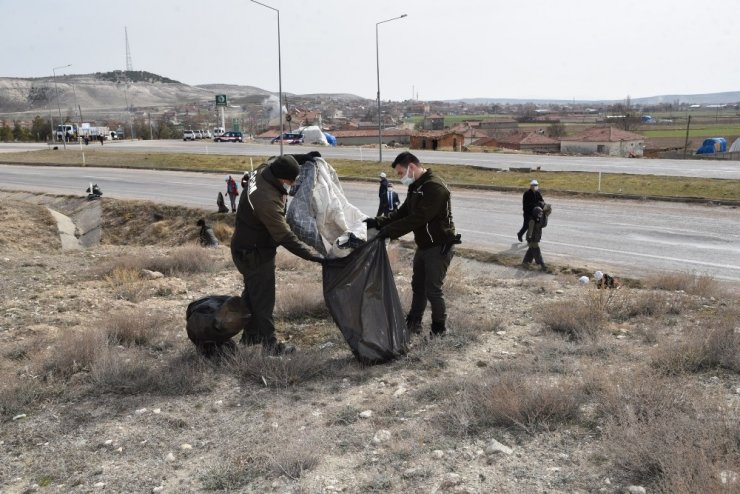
[(314, 154), (383, 233), (371, 222)]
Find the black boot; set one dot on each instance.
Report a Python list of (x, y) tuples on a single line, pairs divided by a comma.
[(438, 329), (413, 324)]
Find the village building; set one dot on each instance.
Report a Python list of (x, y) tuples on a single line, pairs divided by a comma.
[(532, 142), (604, 140), (437, 139)]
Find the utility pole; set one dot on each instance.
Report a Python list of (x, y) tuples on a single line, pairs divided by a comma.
[(686, 142)]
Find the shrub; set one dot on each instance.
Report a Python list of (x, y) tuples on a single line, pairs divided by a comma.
[(692, 283), (250, 364), (513, 399), (184, 260), (293, 459), (223, 232), (133, 328), (300, 301), (17, 394), (714, 345), (667, 435), (131, 374), (126, 283), (578, 320), (74, 352)]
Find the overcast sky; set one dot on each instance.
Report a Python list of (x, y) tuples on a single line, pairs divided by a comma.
[(564, 49)]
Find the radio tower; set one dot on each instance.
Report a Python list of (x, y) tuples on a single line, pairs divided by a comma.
[(129, 63)]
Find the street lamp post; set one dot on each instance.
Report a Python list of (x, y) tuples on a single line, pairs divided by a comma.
[(377, 62), (280, 73), (56, 90)]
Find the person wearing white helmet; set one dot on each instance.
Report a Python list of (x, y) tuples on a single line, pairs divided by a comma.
[(531, 199), (383, 194)]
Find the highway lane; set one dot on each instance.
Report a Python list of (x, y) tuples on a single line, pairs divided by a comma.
[(628, 238), (685, 168)]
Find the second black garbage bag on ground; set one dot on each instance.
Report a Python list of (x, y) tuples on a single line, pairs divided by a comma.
[(362, 297)]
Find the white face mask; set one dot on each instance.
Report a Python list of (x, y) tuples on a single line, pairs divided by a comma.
[(406, 179)]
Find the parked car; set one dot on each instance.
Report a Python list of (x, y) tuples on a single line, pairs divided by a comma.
[(188, 135), (289, 138), (218, 131), (230, 137), (206, 134), (198, 134)]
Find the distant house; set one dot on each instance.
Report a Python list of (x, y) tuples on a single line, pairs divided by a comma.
[(522, 141), (436, 139), (604, 140), (433, 122), (363, 137), (528, 141), (498, 124)]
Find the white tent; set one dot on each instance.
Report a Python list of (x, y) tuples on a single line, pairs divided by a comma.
[(313, 135), (735, 148)]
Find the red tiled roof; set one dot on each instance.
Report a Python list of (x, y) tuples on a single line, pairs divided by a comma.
[(604, 134), (436, 133), (525, 138)]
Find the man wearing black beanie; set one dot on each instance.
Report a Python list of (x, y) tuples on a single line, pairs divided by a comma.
[(259, 228)]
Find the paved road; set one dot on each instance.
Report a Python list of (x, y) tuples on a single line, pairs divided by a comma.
[(685, 168), (628, 238)]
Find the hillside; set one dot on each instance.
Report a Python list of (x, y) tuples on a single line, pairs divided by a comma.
[(114, 91)]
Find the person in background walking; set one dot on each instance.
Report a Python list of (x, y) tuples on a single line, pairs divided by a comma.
[(534, 235), (391, 201), (383, 194), (531, 198), (232, 190), (427, 211)]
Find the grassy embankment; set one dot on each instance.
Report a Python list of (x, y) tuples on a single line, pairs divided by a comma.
[(578, 182)]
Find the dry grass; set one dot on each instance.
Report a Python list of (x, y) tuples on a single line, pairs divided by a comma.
[(667, 434), (73, 352), (514, 398), (251, 365), (715, 344), (456, 285), (17, 393), (131, 373), (286, 261), (131, 327), (223, 232), (126, 283), (646, 303), (300, 301), (188, 259), (579, 320), (692, 283)]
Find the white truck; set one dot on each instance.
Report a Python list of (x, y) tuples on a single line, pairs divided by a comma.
[(71, 132)]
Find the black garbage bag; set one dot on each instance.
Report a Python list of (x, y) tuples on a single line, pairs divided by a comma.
[(212, 321), (361, 295), (221, 204)]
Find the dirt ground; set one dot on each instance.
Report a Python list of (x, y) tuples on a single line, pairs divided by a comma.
[(542, 385)]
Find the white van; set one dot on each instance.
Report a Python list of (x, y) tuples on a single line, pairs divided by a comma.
[(218, 131)]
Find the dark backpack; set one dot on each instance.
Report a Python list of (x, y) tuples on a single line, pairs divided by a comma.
[(546, 210)]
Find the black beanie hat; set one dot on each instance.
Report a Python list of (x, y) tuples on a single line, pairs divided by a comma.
[(285, 167)]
